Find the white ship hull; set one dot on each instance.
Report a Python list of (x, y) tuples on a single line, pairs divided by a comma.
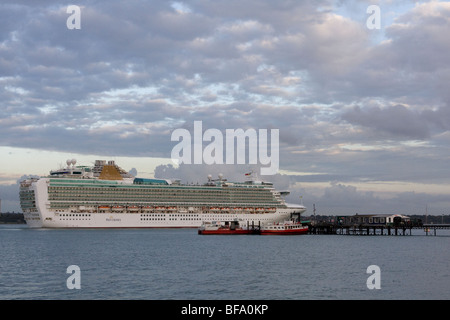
[(145, 220)]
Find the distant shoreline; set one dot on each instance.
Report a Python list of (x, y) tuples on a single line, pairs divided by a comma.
[(12, 218)]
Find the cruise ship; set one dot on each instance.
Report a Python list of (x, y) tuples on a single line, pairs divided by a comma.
[(106, 196)]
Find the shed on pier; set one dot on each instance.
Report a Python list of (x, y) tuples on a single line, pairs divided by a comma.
[(375, 219)]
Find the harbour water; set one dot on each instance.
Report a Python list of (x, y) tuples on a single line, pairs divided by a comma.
[(161, 264)]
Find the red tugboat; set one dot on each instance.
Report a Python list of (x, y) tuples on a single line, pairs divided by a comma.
[(284, 228), (226, 227)]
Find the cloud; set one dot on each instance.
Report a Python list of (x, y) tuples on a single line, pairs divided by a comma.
[(396, 121), (341, 199), (412, 63), (348, 106)]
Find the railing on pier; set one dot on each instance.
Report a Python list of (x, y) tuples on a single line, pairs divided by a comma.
[(374, 230)]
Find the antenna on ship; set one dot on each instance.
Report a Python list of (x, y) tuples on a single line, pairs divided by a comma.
[(314, 210), (253, 177)]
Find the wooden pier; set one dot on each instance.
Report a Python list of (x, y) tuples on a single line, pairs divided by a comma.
[(373, 230), (322, 228), (428, 227), (374, 224)]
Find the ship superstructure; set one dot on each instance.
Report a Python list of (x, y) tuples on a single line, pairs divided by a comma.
[(105, 196)]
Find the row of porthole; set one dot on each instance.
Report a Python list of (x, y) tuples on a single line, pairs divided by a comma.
[(75, 214)]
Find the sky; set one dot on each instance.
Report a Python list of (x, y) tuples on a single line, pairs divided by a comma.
[(363, 114)]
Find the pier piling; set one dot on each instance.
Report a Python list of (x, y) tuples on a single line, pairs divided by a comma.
[(359, 230)]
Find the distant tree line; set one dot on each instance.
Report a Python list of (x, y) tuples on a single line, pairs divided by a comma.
[(11, 218)]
